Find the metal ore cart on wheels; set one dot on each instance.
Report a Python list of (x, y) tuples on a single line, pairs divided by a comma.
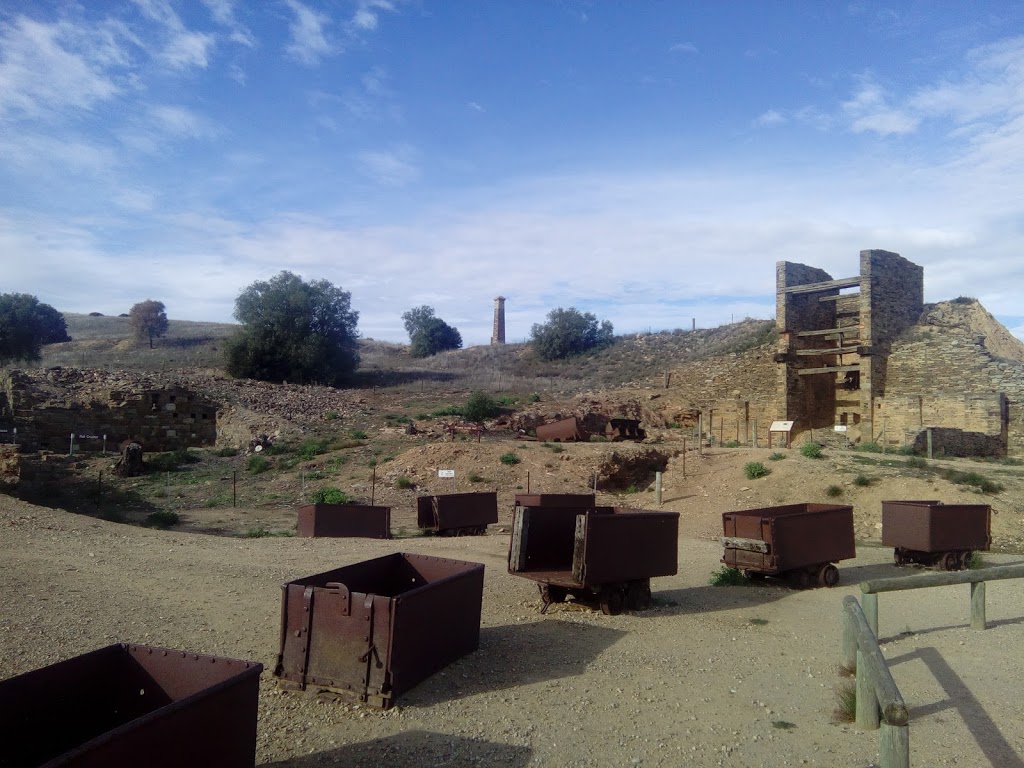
[(936, 534), (802, 541), (600, 555)]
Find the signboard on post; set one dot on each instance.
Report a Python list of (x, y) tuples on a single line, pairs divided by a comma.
[(785, 427), (448, 473)]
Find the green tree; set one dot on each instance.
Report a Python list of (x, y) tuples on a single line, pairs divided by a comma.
[(429, 334), (26, 325), (569, 332), (148, 319), (294, 331), (481, 406)]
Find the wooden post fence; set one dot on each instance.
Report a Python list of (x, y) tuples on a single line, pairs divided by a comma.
[(871, 589), (879, 702)]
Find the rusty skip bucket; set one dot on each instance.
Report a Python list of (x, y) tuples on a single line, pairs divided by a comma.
[(344, 521), (128, 706), (457, 513), (931, 532), (534, 500), (374, 629)]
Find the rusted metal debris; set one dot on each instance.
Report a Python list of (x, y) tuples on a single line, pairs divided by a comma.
[(471, 429), (937, 534), (601, 555), (373, 630), (359, 521), (125, 706), (130, 463), (457, 514), (563, 431), (625, 429), (799, 540)]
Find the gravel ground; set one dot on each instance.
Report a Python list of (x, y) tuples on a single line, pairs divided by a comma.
[(736, 676)]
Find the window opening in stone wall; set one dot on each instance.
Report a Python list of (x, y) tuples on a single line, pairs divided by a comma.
[(851, 380), (173, 398)]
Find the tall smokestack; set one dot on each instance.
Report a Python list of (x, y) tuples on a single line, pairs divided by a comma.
[(498, 334)]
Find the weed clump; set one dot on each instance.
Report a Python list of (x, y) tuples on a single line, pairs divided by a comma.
[(833, 491), (862, 481), (257, 463), (811, 451), (330, 495), (755, 469), (728, 577), (162, 519), (777, 456), (509, 459)]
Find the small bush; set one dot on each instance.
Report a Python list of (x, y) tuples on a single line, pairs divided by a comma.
[(162, 519), (974, 479), (976, 561), (475, 478), (509, 458), (553, 447), (755, 469), (257, 533), (330, 495), (448, 410), (632, 489), (276, 449), (331, 415), (834, 490), (481, 406), (811, 451), (172, 460), (310, 449), (598, 439), (862, 481), (783, 725), (728, 577), (868, 447), (905, 450), (225, 452), (358, 434), (315, 475), (917, 462), (533, 398), (731, 444), (403, 483), (777, 456), (758, 622), (506, 400), (257, 463), (288, 463)]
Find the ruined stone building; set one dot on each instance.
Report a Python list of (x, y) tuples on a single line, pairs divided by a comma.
[(862, 359), (498, 328)]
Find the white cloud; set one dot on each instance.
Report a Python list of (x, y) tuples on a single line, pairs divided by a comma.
[(475, 106), (392, 168), (869, 110), (771, 118), (683, 48), (223, 12), (188, 49), (308, 42)]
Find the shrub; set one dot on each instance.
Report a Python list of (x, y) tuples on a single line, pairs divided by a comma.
[(569, 332), (312, 448), (834, 490), (777, 456), (429, 334), (731, 444), (509, 458), (403, 483), (811, 450), (846, 702), (480, 406), (331, 415), (862, 480), (172, 460), (728, 577), (554, 447), (868, 447), (162, 519), (358, 434), (905, 450), (533, 398), (475, 478), (257, 463), (599, 438), (225, 452), (755, 469), (917, 462), (330, 495), (974, 479)]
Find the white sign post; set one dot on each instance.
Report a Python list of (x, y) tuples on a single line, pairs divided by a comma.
[(448, 473)]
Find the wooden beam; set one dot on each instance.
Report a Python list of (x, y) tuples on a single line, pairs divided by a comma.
[(824, 351), (828, 369), (846, 282), (847, 332)]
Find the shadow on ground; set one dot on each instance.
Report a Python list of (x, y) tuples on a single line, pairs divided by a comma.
[(414, 749)]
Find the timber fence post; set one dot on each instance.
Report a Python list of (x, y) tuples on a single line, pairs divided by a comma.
[(978, 605)]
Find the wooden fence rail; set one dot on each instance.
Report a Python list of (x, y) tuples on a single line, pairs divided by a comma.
[(879, 702), (871, 589)]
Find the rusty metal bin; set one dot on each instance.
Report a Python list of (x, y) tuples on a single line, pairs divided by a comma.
[(801, 540), (565, 430), (127, 706), (374, 629), (933, 533), (357, 521), (535, 500), (603, 554), (457, 514)]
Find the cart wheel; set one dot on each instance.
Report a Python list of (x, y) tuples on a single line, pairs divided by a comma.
[(965, 560), (804, 579), (899, 557), (950, 561), (828, 576), (612, 599), (551, 594), (638, 595)]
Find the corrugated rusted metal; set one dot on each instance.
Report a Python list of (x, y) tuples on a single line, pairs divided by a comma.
[(344, 520), (125, 706), (457, 513), (931, 526), (377, 628), (794, 536), (566, 430)]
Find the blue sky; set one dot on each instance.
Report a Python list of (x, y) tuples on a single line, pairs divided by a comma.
[(645, 161)]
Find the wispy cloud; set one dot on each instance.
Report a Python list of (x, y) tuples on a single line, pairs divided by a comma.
[(309, 41), (182, 48), (367, 13), (683, 48), (770, 118), (869, 110), (389, 167), (223, 12)]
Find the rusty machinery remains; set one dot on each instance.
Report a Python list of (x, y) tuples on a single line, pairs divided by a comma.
[(457, 514), (937, 534)]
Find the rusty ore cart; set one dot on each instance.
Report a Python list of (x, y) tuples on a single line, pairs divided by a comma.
[(584, 500), (600, 554), (125, 706), (457, 514), (357, 521), (937, 534), (802, 541), (374, 629), (567, 430)]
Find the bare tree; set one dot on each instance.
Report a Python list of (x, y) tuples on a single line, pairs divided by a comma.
[(148, 319)]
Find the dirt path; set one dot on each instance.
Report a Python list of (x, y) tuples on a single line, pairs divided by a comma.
[(694, 681)]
